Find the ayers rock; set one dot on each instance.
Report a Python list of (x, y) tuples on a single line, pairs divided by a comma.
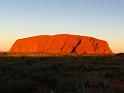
[(61, 44)]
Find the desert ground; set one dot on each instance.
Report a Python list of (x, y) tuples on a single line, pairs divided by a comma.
[(61, 74)]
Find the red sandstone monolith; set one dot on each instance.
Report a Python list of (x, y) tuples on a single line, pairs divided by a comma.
[(61, 44)]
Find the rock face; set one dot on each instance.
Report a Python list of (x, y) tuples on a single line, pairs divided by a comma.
[(61, 44)]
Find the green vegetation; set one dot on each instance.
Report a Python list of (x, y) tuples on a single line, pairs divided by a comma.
[(65, 74)]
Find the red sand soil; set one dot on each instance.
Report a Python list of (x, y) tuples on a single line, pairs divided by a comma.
[(61, 44)]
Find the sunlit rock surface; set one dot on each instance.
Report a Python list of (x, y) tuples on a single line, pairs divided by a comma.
[(61, 44)]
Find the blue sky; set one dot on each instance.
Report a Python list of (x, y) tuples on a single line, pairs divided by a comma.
[(103, 19)]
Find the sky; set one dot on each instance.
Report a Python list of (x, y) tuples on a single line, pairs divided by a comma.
[(103, 19)]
